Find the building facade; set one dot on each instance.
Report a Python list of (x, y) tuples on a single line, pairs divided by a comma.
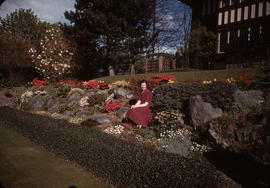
[(242, 28)]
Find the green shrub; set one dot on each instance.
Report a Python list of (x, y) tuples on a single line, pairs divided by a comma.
[(176, 96), (97, 99), (226, 124), (118, 162), (63, 90)]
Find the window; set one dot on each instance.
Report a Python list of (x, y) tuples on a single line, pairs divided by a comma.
[(253, 10), (224, 3), (220, 18), (255, 35), (246, 13), (260, 10), (233, 42), (243, 42), (226, 17), (239, 14), (267, 8), (223, 42), (232, 16)]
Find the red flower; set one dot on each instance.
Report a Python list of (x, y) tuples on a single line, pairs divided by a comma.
[(69, 82), (39, 83), (112, 106), (91, 84)]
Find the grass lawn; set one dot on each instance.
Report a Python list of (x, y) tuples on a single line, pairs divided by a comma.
[(24, 164), (193, 75)]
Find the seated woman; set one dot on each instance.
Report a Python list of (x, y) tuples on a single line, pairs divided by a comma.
[(140, 113)]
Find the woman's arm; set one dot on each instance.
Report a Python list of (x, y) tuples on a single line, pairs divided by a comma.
[(141, 105)]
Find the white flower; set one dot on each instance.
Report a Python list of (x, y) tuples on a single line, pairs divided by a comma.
[(84, 101), (25, 96), (114, 130)]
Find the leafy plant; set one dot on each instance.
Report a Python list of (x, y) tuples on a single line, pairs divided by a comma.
[(63, 90), (96, 99)]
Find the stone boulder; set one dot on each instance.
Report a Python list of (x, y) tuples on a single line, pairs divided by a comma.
[(100, 118), (74, 99), (121, 92), (202, 112), (121, 113), (248, 98), (6, 98), (36, 103)]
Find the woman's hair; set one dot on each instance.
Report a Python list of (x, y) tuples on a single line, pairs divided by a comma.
[(143, 81)]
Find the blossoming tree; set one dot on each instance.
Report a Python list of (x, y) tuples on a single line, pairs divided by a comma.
[(54, 60)]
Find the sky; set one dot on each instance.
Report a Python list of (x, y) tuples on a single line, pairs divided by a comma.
[(47, 10)]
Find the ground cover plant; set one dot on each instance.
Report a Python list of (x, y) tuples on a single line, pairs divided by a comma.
[(118, 162)]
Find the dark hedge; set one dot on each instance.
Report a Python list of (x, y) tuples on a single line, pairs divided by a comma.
[(116, 161), (176, 96)]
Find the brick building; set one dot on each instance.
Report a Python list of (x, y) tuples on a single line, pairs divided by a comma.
[(242, 28)]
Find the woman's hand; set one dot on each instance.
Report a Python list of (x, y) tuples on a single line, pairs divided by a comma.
[(134, 106)]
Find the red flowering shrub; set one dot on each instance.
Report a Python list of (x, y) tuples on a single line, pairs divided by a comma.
[(39, 83), (157, 80), (112, 106), (69, 82), (91, 84), (103, 85)]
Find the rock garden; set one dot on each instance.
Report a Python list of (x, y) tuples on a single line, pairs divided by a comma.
[(196, 120)]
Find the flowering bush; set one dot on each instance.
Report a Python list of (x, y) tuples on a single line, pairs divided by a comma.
[(160, 79), (119, 83), (55, 57), (167, 120), (39, 83), (179, 142), (25, 96), (114, 130), (69, 82), (91, 84), (84, 101), (103, 85), (112, 106)]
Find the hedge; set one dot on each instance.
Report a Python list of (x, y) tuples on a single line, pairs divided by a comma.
[(116, 161), (176, 96)]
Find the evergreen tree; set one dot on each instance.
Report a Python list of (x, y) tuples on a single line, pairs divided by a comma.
[(103, 28)]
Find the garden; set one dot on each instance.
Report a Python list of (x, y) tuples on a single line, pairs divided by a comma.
[(194, 122)]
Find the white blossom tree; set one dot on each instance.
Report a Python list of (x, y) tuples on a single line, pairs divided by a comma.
[(54, 60)]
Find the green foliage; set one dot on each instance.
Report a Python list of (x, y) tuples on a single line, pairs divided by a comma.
[(113, 29), (63, 90), (226, 124), (104, 154), (96, 99), (63, 108), (176, 96), (203, 44), (168, 120), (264, 80), (23, 23)]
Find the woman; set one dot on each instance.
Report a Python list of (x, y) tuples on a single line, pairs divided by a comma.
[(140, 113)]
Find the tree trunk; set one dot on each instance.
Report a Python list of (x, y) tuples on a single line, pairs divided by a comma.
[(132, 71)]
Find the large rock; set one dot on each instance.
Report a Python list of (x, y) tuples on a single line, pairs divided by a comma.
[(202, 112), (122, 93), (74, 99), (121, 113), (248, 98), (100, 118), (52, 103), (6, 99), (36, 103)]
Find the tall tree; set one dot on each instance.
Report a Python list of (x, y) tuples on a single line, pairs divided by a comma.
[(23, 23), (110, 26)]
